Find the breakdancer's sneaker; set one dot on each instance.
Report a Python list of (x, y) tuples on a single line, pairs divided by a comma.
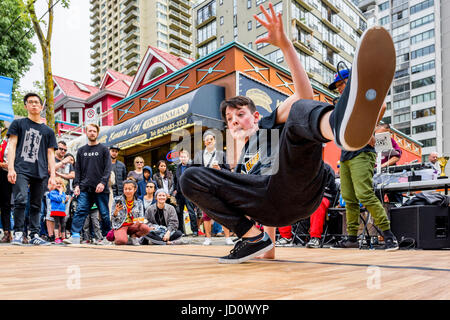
[(355, 116), (245, 249)]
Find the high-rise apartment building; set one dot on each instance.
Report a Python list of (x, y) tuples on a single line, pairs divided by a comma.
[(324, 32), (415, 101), (122, 30)]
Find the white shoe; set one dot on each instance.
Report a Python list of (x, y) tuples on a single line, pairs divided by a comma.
[(135, 241), (17, 239), (228, 241), (72, 240), (207, 242)]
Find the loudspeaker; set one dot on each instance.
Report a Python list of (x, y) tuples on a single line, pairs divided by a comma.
[(428, 225)]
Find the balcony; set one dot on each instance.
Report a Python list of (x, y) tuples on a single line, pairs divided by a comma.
[(96, 5), (330, 25), (179, 36), (95, 63), (95, 54), (329, 64), (133, 14), (95, 45), (304, 4), (331, 4), (184, 3), (130, 26), (302, 24), (131, 54), (130, 6), (178, 8), (130, 36), (131, 63), (131, 45), (176, 15), (94, 14), (331, 46), (179, 45), (95, 22), (308, 49), (95, 37), (176, 25)]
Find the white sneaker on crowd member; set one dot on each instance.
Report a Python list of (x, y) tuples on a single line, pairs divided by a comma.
[(17, 240), (135, 241), (104, 242), (72, 240), (229, 241), (284, 242), (207, 242)]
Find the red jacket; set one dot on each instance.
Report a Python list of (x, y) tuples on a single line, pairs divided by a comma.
[(2, 149)]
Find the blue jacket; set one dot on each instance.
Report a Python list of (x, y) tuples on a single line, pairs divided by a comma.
[(57, 200), (142, 184)]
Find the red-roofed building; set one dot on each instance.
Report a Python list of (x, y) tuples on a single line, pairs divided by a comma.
[(77, 104)]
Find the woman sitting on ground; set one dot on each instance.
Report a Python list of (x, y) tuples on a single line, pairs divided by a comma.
[(128, 216), (149, 197), (163, 220)]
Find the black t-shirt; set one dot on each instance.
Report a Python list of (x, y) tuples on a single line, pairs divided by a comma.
[(92, 166), (33, 141), (348, 155), (159, 217), (260, 153)]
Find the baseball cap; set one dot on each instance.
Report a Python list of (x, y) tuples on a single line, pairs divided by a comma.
[(114, 146), (337, 77)]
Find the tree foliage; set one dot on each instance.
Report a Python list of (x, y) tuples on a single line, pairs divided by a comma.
[(44, 29), (16, 48)]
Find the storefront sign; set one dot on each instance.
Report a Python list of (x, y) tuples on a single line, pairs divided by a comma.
[(265, 98), (199, 105), (173, 156)]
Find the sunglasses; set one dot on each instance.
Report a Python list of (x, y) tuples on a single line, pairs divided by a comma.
[(150, 186), (139, 162), (62, 149)]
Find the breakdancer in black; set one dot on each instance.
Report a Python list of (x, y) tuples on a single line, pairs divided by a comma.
[(280, 176)]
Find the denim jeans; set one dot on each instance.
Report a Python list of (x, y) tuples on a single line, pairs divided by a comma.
[(85, 202), (20, 194)]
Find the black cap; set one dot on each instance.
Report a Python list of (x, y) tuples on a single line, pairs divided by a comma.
[(114, 146)]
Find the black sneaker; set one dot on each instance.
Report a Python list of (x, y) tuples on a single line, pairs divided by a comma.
[(390, 244), (345, 244), (355, 116), (245, 250)]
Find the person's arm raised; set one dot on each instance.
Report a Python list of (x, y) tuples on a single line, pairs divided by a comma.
[(277, 37)]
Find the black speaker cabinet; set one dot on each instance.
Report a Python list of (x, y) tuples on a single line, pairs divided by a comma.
[(428, 225)]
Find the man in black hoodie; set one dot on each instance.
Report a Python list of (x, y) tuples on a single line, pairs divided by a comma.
[(92, 171)]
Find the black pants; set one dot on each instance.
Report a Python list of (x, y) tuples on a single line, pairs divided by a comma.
[(291, 194), (181, 202), (20, 193), (5, 200)]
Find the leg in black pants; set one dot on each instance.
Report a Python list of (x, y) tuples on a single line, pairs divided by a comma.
[(20, 193), (292, 193), (181, 202), (5, 200)]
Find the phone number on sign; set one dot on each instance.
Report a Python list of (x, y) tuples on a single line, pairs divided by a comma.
[(167, 128)]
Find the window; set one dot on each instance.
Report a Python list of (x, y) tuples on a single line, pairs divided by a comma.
[(401, 88), (154, 71), (422, 6), (422, 67), (424, 113), (275, 56), (401, 104), (428, 142), (249, 25), (424, 97), (56, 91), (221, 20), (384, 20), (249, 4), (221, 40), (206, 12), (424, 128), (383, 6), (422, 21), (422, 52), (402, 117), (207, 31), (422, 36), (423, 82), (74, 116)]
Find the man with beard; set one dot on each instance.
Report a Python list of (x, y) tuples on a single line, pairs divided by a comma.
[(92, 171)]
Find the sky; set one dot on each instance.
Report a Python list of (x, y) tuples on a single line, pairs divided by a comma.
[(70, 44)]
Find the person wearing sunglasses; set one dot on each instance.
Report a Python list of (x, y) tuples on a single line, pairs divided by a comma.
[(138, 172)]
